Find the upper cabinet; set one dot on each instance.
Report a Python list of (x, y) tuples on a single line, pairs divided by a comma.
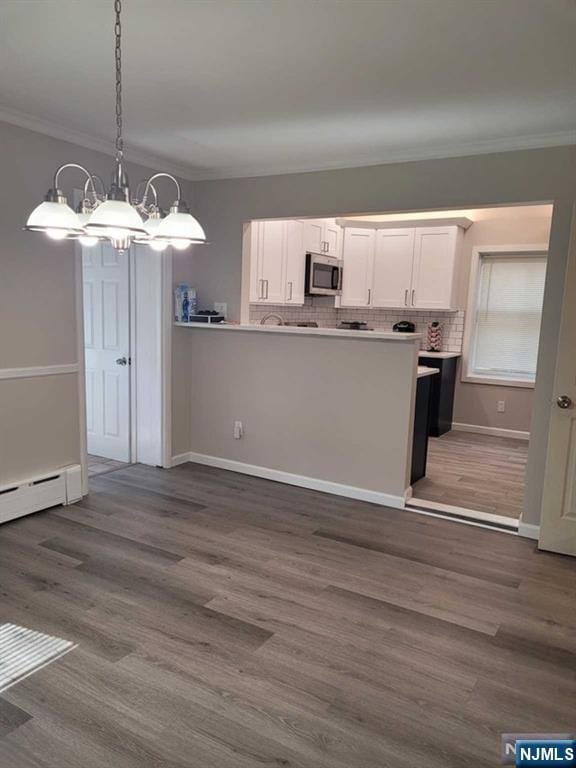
[(323, 236), (408, 267), (358, 255), (434, 267), (392, 272), (277, 262), (295, 263)]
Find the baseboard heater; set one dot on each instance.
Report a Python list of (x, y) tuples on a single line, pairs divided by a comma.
[(64, 486)]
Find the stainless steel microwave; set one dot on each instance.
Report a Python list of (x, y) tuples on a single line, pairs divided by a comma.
[(323, 275)]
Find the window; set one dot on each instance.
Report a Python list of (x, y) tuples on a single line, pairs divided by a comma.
[(507, 292)]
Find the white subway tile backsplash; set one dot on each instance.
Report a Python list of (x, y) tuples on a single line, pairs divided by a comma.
[(322, 310)]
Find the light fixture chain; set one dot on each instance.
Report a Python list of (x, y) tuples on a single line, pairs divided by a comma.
[(118, 57)]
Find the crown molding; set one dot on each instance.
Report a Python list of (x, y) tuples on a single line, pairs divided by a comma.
[(408, 155), (86, 140), (191, 173)]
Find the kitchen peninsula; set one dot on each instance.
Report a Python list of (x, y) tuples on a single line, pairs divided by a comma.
[(323, 408)]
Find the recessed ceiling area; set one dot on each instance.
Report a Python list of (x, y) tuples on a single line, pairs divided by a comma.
[(224, 88)]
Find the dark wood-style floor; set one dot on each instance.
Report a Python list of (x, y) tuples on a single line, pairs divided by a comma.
[(225, 621), (98, 465), (478, 472)]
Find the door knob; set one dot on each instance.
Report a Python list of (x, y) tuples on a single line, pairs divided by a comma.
[(122, 361), (564, 401)]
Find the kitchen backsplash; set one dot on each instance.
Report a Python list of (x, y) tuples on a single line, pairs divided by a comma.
[(321, 309)]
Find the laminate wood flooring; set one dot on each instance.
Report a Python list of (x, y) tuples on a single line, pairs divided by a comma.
[(478, 472), (98, 465), (226, 621)]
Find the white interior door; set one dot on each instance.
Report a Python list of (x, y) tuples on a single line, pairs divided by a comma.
[(107, 351), (558, 523), (393, 267)]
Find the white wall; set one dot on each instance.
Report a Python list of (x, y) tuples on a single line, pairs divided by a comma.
[(465, 182)]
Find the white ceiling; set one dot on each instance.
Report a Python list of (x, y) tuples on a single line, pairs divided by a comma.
[(221, 88)]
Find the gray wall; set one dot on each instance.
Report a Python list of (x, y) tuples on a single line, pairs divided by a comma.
[(39, 422), (310, 405), (464, 182), (39, 417)]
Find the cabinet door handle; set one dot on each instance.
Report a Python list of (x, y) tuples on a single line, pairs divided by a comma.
[(261, 291), (369, 296), (413, 295), (266, 281), (406, 297), (290, 296)]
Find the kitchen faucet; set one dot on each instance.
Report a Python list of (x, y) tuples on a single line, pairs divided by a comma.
[(272, 314)]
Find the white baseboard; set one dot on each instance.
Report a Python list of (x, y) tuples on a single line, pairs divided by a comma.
[(528, 530), (495, 431), (180, 458), (315, 484)]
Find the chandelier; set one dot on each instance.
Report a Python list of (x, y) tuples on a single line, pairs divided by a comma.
[(115, 216)]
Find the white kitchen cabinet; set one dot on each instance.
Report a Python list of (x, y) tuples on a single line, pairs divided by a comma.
[(295, 263), (323, 236), (277, 262), (333, 238), (434, 267), (400, 268), (358, 256), (392, 272), (267, 255), (313, 235)]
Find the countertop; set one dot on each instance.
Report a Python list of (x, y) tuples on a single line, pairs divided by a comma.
[(439, 355), (292, 330), (423, 370)]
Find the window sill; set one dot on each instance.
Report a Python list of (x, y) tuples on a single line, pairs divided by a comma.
[(520, 383)]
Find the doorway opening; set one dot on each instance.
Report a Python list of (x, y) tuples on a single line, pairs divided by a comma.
[(126, 311), (473, 277), (477, 468)]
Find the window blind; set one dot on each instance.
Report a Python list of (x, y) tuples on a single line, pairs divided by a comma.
[(510, 292)]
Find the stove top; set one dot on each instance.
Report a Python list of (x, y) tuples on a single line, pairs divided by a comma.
[(354, 325)]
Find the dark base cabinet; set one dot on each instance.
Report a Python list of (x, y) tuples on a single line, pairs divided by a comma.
[(421, 427), (441, 393)]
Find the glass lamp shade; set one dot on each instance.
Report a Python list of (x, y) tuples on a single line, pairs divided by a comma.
[(56, 219), (115, 219), (151, 226), (86, 240), (180, 228)]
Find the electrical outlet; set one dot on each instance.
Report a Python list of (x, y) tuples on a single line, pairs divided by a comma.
[(238, 430), (501, 406), (221, 307)]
